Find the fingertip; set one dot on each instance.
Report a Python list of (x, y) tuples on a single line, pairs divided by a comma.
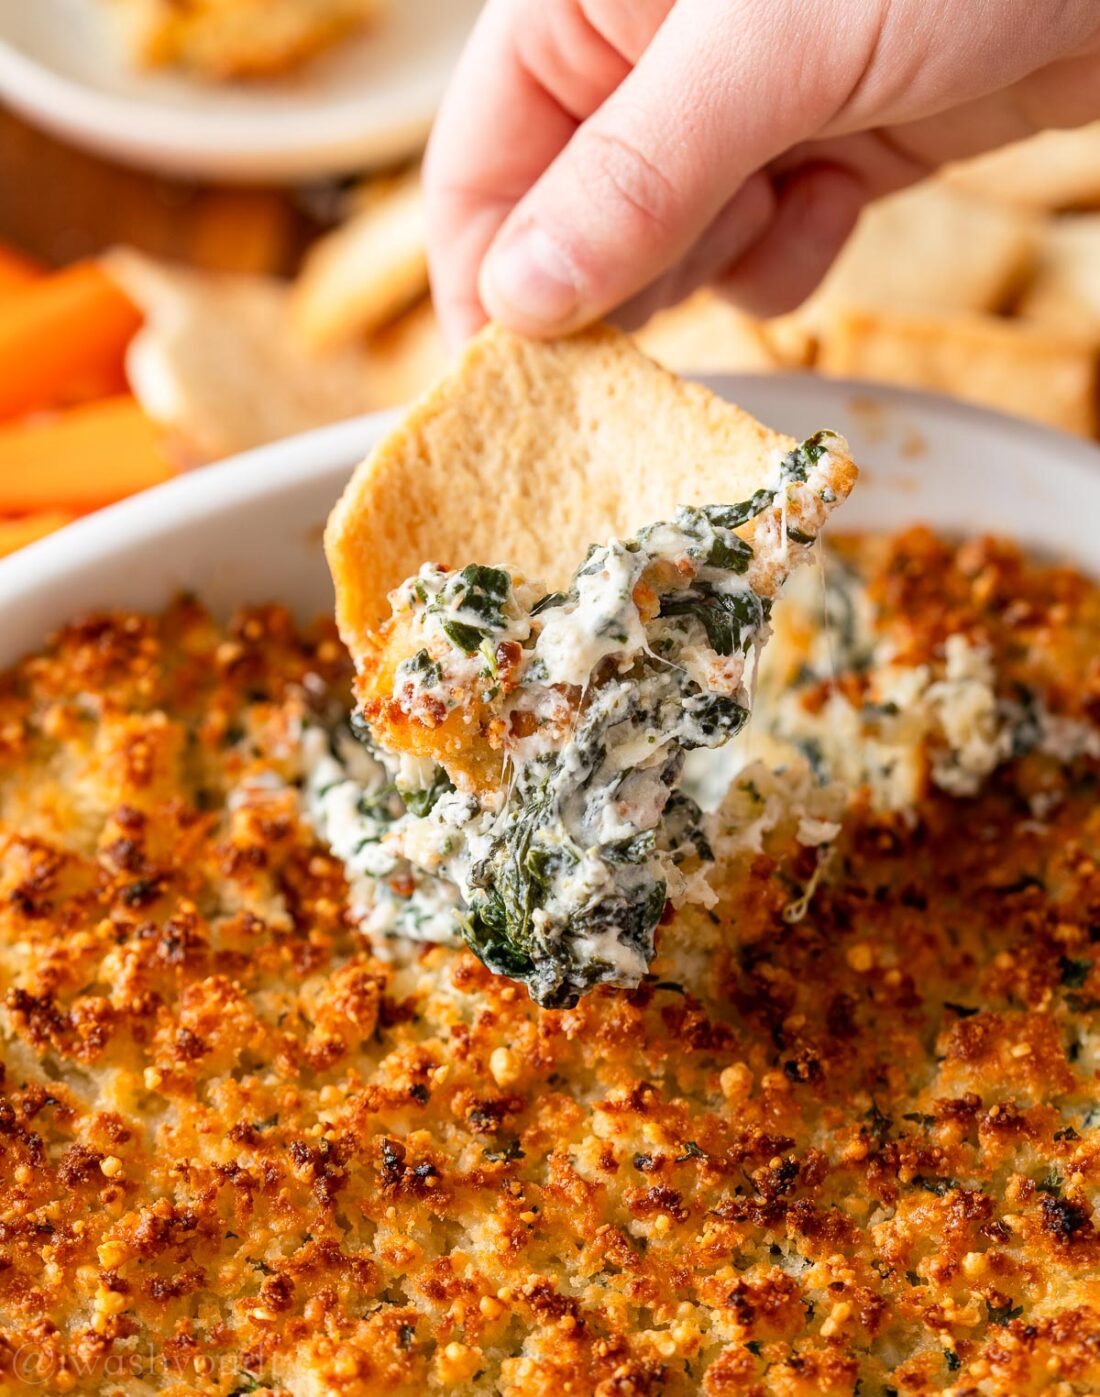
[(529, 282)]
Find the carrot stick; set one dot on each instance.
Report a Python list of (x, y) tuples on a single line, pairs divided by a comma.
[(79, 459), (71, 325), (16, 269), (107, 382), (17, 533)]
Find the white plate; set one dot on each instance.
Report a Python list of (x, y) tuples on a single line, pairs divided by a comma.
[(250, 530), (367, 101)]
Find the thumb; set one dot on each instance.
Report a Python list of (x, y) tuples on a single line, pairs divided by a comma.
[(642, 179)]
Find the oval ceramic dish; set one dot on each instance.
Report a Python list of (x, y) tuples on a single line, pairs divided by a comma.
[(250, 530)]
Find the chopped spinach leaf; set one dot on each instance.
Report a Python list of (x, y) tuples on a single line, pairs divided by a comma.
[(551, 599), (879, 1124), (423, 802), (1003, 1314), (467, 638), (247, 1382), (940, 1187), (1051, 1184), (503, 1154), (1073, 973)]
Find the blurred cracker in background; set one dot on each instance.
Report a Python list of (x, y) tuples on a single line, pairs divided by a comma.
[(1034, 371), (930, 248), (710, 334), (405, 358), (1065, 290), (976, 284), (360, 277), (1053, 171), (217, 364)]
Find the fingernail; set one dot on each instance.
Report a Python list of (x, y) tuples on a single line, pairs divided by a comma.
[(530, 276)]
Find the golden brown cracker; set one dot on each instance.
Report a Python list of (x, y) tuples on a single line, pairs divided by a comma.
[(1027, 370), (525, 454)]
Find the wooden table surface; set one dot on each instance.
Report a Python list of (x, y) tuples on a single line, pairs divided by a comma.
[(60, 204)]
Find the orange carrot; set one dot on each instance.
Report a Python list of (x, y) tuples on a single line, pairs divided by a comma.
[(16, 269), (70, 326), (107, 382), (17, 533), (79, 459)]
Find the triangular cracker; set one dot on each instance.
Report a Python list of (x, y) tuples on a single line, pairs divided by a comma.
[(527, 453), (215, 362), (537, 741)]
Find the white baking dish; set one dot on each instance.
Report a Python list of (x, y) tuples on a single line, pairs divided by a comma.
[(250, 530)]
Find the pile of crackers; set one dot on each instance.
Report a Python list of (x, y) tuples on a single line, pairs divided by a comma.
[(983, 283)]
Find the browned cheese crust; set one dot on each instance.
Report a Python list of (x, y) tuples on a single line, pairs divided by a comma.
[(241, 1150)]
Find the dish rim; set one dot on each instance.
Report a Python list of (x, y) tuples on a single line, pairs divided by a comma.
[(285, 462), (105, 538)]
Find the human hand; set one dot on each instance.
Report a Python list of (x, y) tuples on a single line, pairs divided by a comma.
[(598, 157)]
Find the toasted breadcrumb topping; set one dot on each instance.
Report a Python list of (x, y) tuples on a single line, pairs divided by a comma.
[(243, 1148)]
